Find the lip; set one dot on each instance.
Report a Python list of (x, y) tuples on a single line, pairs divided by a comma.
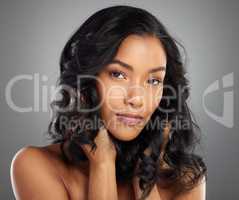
[(129, 119), (130, 115)]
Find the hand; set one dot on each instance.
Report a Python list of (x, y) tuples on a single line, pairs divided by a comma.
[(105, 151)]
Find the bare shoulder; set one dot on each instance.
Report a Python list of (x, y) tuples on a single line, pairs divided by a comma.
[(37, 156), (33, 175), (198, 192)]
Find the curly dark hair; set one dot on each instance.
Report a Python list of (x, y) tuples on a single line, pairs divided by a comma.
[(87, 52)]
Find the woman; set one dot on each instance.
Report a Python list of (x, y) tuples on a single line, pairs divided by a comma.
[(122, 128)]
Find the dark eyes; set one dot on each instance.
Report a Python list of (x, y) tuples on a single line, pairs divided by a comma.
[(117, 74), (157, 81)]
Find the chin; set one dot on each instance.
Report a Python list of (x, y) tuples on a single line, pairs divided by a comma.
[(124, 134)]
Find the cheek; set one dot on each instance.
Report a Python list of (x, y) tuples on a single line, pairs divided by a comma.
[(114, 94), (152, 100), (112, 98)]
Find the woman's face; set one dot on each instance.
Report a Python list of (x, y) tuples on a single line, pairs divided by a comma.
[(132, 84)]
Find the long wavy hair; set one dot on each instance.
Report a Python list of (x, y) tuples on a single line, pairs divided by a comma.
[(171, 160)]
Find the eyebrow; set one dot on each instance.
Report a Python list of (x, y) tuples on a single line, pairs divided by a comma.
[(129, 67)]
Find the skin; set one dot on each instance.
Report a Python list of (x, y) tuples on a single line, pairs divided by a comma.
[(132, 91), (95, 179)]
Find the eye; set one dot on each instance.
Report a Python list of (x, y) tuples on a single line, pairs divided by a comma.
[(155, 81), (115, 73)]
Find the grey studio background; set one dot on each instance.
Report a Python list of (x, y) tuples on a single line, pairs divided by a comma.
[(33, 33)]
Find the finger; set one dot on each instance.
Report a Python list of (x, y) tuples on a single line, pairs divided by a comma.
[(87, 148)]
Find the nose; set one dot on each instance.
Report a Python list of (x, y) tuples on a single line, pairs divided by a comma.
[(134, 97)]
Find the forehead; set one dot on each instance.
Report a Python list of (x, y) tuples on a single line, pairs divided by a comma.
[(142, 50)]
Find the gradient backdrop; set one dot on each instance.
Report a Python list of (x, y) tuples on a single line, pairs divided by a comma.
[(32, 35)]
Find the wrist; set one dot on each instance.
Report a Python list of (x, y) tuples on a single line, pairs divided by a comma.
[(136, 187), (102, 165)]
